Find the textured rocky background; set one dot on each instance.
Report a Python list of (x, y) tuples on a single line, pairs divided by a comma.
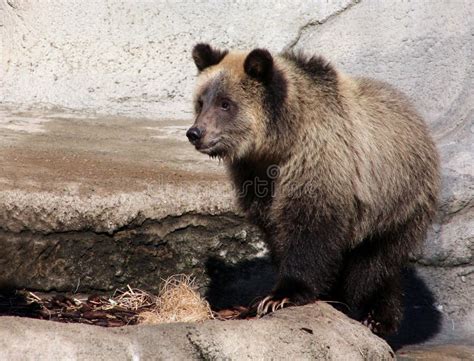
[(90, 201)]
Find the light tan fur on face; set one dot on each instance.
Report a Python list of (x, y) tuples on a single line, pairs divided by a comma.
[(232, 65), (231, 69)]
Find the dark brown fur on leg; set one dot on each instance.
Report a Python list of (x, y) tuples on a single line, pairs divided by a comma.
[(372, 274), (309, 250), (384, 310)]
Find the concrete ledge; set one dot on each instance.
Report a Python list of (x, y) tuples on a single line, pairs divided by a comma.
[(91, 204), (313, 332), (62, 172)]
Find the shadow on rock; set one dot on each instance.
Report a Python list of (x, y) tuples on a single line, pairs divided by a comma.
[(421, 320), (238, 284), (244, 282), (14, 303)]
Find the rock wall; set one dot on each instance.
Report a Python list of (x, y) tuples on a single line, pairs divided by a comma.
[(131, 57)]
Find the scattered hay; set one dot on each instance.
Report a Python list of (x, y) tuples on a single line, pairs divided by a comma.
[(178, 301), (132, 299)]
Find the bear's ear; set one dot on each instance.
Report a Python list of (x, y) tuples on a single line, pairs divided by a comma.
[(205, 56), (259, 65)]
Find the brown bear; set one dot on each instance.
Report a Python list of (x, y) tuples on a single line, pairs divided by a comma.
[(340, 173)]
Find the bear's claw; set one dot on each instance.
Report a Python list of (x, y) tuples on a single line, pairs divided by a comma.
[(371, 324), (268, 304)]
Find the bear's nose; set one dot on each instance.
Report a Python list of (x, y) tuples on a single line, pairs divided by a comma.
[(194, 134)]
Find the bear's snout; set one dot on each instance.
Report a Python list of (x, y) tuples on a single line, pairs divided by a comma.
[(194, 134)]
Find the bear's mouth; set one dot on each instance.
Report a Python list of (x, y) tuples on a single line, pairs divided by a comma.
[(213, 148)]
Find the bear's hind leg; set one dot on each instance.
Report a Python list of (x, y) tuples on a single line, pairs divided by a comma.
[(371, 279), (372, 286), (384, 311), (372, 273)]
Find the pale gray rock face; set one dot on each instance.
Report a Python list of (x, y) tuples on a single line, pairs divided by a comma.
[(128, 57), (313, 332), (125, 191)]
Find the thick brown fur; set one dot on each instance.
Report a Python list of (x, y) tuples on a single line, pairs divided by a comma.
[(340, 173)]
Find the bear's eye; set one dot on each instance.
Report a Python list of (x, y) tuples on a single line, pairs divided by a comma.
[(225, 105), (199, 104)]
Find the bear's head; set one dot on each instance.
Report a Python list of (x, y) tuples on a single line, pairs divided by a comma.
[(236, 102)]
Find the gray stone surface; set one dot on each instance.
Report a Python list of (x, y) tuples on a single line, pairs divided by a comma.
[(64, 172), (131, 57), (313, 332), (425, 48), (100, 203), (124, 57), (444, 352)]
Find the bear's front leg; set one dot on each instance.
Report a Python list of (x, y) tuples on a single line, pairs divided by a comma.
[(288, 292), (307, 272)]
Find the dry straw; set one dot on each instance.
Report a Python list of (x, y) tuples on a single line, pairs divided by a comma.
[(178, 301)]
